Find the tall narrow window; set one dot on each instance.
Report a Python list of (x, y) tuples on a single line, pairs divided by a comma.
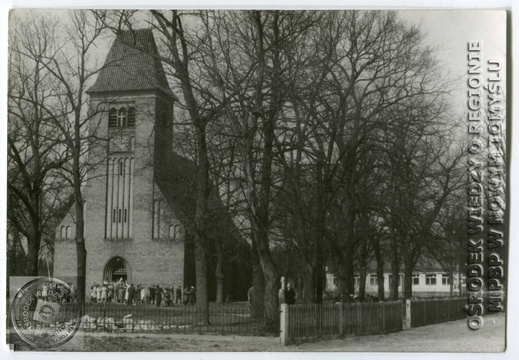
[(119, 198), (112, 118), (131, 117), (122, 118)]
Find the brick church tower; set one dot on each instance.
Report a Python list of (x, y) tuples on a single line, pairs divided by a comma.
[(139, 193)]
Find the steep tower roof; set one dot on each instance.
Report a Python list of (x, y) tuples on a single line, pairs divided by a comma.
[(132, 65)]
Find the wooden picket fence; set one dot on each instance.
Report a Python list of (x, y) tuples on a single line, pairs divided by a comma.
[(305, 322), (434, 311)]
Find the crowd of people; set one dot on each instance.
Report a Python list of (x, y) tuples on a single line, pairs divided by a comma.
[(124, 292)]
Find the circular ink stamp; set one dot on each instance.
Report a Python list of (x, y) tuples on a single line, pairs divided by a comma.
[(45, 313)]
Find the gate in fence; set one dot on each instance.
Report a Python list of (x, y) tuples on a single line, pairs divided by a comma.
[(303, 322), (434, 311)]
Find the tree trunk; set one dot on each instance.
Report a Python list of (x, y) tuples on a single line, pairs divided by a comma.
[(219, 288), (202, 182), (202, 303), (408, 281), (451, 284), (363, 259), (308, 274), (395, 272), (380, 268), (320, 230), (380, 281), (362, 283), (258, 283), (271, 296), (81, 252), (33, 249), (271, 282), (346, 282), (219, 273)]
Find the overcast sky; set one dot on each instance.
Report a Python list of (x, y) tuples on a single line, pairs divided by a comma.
[(451, 30)]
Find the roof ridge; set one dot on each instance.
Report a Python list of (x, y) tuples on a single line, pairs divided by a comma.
[(132, 64)]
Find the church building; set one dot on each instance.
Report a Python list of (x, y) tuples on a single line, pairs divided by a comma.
[(140, 194)]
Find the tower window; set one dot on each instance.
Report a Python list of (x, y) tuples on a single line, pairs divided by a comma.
[(112, 118), (131, 117), (121, 118)]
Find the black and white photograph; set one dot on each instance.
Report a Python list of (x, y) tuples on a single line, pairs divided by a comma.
[(257, 180)]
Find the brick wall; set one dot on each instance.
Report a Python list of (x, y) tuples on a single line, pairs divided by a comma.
[(158, 260)]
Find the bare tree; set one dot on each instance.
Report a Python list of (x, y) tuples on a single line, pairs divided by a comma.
[(67, 60), (34, 149)]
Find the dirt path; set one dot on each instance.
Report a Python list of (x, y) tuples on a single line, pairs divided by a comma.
[(446, 337)]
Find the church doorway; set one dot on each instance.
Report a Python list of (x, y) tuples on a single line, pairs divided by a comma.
[(117, 268)]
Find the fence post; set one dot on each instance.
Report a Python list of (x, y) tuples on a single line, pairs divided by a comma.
[(283, 330), (383, 318), (341, 320), (408, 314)]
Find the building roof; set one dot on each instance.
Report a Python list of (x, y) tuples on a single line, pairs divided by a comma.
[(132, 64), (176, 176)]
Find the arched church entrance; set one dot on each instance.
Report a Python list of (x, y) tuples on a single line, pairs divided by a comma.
[(117, 268)]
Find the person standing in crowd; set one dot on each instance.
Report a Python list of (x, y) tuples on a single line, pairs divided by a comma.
[(158, 295), (93, 294), (143, 295), (192, 296), (167, 297), (110, 292), (178, 297), (185, 296), (146, 290), (120, 293), (152, 294), (104, 293), (131, 294), (137, 295), (290, 295), (98, 292)]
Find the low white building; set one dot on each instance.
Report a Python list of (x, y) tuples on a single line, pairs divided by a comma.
[(425, 283)]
